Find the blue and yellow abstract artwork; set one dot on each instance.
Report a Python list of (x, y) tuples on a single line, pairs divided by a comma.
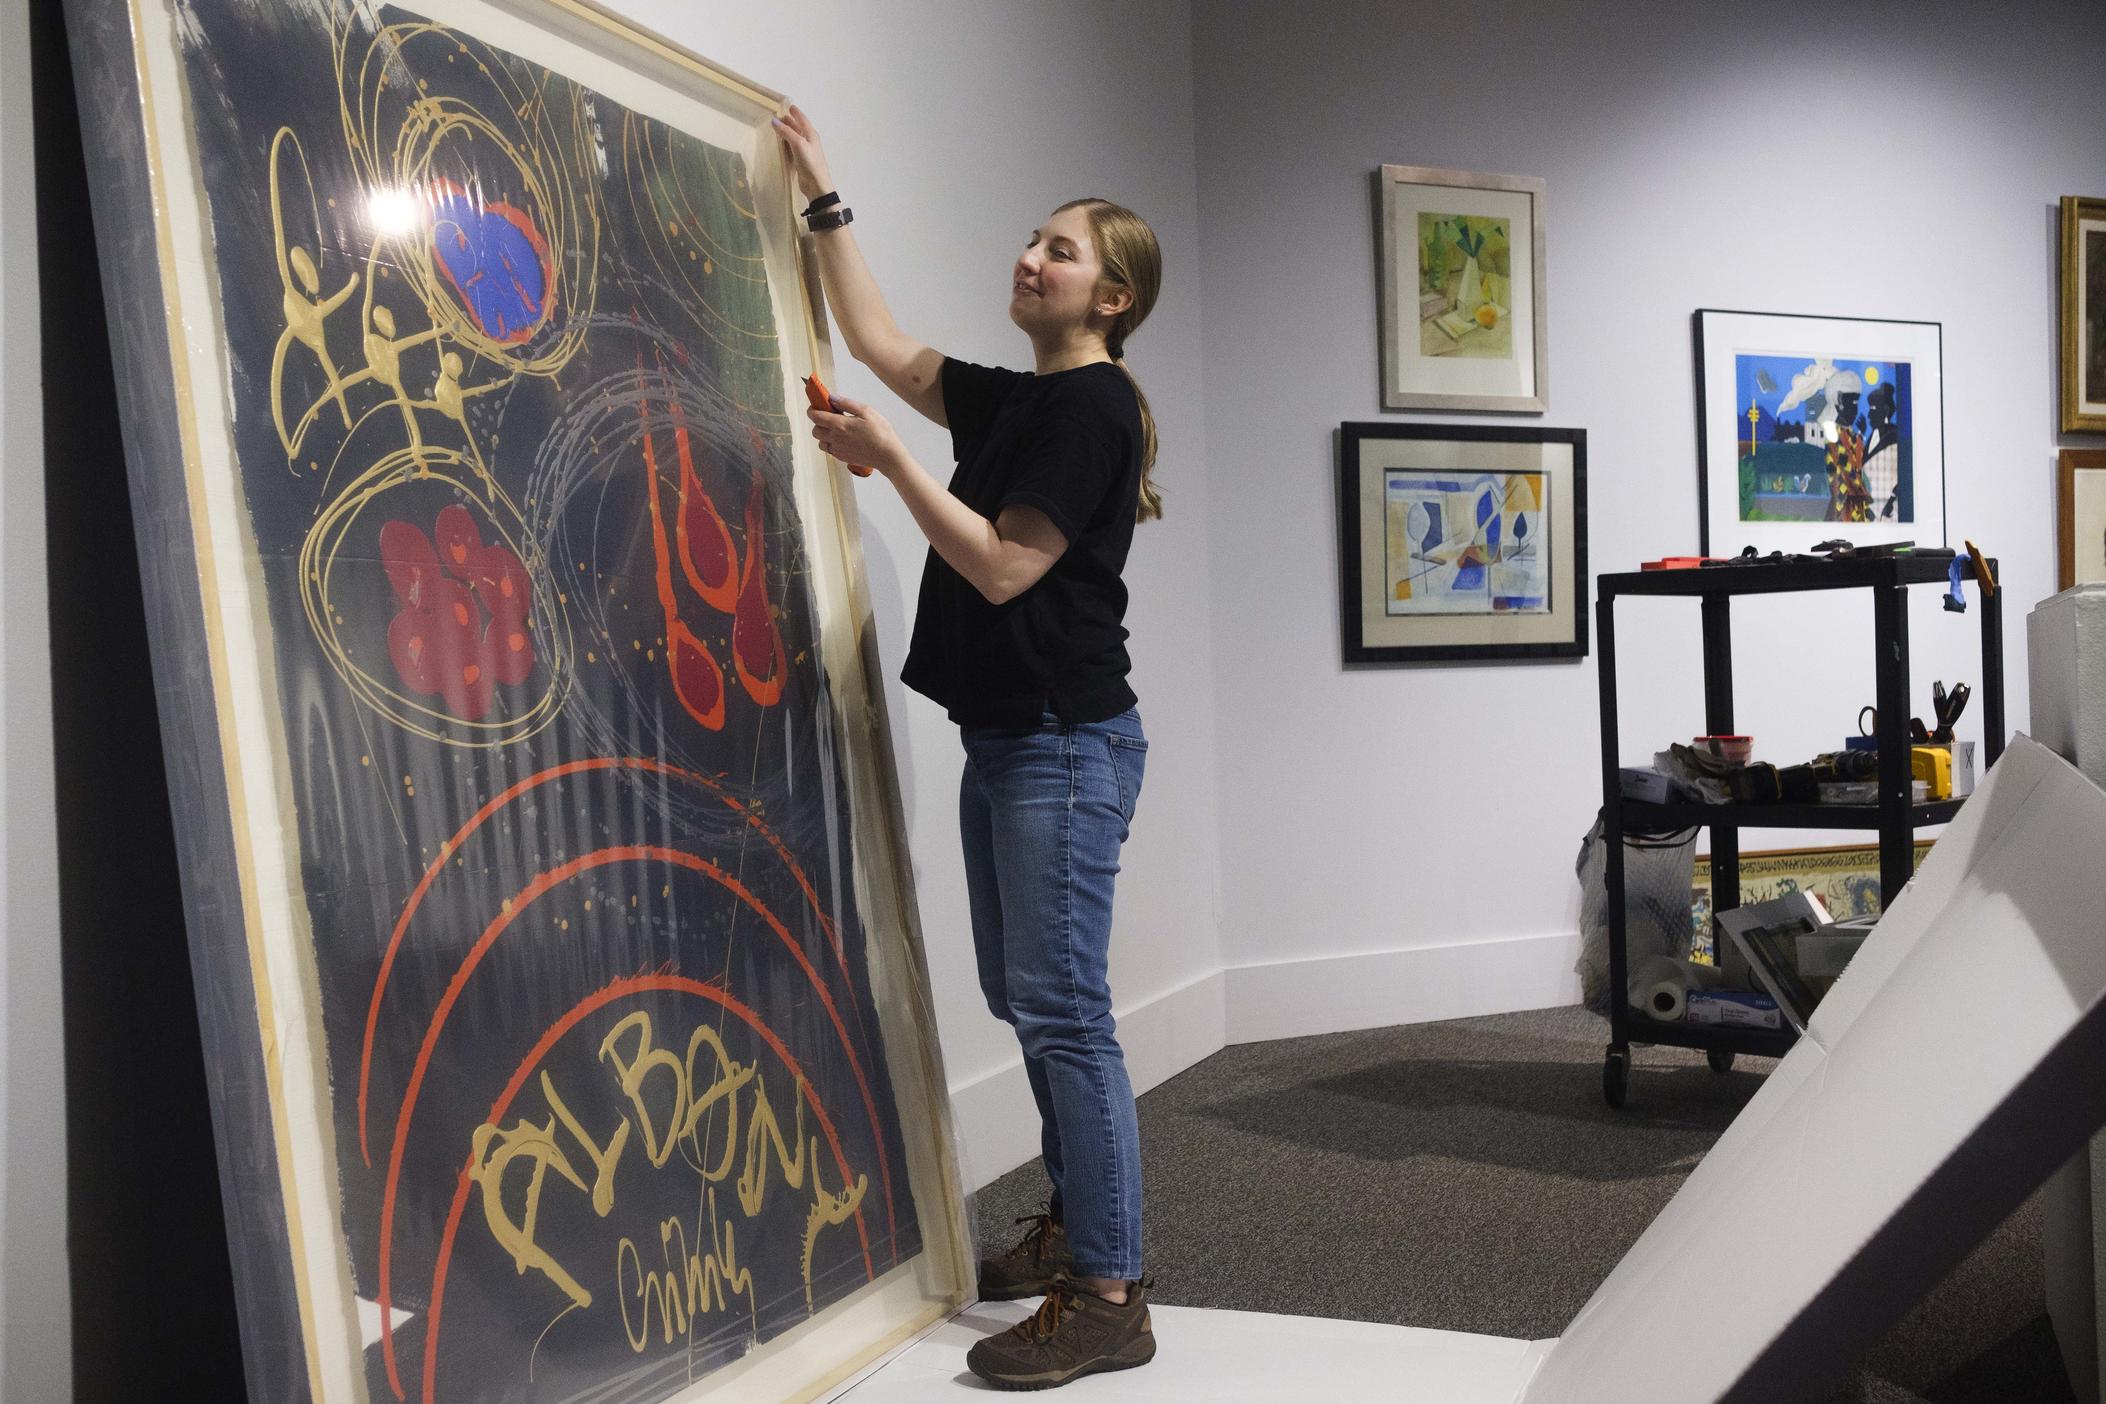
[(1466, 543), (1824, 438)]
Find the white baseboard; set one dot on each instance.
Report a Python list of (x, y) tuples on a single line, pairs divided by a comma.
[(996, 1119), (1334, 994)]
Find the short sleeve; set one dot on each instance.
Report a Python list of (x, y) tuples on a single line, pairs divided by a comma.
[(971, 396), (1072, 461)]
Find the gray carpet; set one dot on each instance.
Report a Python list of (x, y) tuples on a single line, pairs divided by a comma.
[(1467, 1176)]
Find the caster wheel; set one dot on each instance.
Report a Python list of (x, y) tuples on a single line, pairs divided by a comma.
[(1616, 1076), (1720, 1060)]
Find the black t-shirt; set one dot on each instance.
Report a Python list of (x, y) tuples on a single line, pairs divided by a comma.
[(1068, 444)]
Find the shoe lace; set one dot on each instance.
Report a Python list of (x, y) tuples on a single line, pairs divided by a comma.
[(1034, 1240), (1059, 1297)]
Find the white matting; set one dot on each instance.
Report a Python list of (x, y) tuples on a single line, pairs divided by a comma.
[(1235, 1357)]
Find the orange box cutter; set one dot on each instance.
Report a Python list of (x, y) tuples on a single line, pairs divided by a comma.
[(820, 397)]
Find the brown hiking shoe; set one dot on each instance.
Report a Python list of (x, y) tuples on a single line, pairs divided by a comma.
[(1074, 1333), (1027, 1269)]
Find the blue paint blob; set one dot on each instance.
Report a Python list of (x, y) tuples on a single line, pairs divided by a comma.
[(496, 261)]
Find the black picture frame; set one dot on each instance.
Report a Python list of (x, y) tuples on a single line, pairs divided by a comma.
[(1558, 634), (1869, 338)]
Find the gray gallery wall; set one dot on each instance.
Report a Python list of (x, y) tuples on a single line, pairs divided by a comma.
[(1887, 160), (34, 1314)]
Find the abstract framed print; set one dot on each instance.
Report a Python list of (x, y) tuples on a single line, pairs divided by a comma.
[(1816, 428), (2083, 315), (1459, 542), (2080, 517), (566, 1014), (1464, 321)]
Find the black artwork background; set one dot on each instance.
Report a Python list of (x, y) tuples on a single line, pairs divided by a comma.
[(648, 310)]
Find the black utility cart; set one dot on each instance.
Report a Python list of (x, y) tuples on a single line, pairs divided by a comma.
[(1894, 816)]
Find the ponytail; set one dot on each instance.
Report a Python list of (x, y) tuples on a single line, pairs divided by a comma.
[(1150, 506)]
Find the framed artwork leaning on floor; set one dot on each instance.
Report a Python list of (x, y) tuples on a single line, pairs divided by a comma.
[(1463, 318), (566, 1017), (1461, 542)]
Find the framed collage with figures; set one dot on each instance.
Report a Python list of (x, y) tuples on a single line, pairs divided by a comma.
[(1814, 428), (558, 957)]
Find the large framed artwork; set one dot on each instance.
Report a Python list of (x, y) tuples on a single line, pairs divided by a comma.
[(1811, 429), (1463, 313), (557, 954), (2080, 517), (1460, 542), (2083, 320)]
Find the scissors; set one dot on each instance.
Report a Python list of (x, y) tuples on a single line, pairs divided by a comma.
[(1917, 734), (1948, 706)]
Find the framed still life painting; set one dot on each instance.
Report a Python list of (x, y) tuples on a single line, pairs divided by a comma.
[(2083, 320), (1459, 542), (1816, 428), (1463, 313), (565, 1007), (2080, 517)]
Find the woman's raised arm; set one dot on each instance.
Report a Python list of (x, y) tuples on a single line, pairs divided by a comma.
[(908, 368)]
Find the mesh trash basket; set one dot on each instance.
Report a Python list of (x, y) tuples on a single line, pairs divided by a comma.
[(1659, 872)]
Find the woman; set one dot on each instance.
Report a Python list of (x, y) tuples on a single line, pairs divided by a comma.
[(1019, 635)]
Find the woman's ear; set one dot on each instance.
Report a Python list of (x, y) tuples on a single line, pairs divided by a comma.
[(1113, 299)]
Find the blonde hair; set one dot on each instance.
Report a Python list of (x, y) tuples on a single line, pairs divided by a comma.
[(1131, 258)]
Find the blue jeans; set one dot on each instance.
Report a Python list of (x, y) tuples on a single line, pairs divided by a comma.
[(1042, 814)]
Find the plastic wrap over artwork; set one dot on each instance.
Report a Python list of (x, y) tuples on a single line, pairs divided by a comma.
[(557, 951)]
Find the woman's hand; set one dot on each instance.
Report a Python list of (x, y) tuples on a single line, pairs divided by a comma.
[(855, 433), (807, 157)]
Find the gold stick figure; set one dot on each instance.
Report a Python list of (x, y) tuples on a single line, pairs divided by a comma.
[(306, 310)]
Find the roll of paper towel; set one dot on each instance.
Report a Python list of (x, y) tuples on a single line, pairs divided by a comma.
[(1660, 983)]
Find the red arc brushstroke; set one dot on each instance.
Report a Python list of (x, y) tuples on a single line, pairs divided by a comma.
[(476, 821)]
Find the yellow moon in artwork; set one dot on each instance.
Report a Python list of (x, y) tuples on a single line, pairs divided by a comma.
[(1871, 375)]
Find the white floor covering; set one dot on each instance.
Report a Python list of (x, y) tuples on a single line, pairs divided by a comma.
[(1230, 1357)]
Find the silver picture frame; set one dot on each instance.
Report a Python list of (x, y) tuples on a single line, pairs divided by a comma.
[(1462, 336)]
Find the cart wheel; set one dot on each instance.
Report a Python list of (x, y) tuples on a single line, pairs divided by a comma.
[(1616, 1075), (1721, 1061)]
